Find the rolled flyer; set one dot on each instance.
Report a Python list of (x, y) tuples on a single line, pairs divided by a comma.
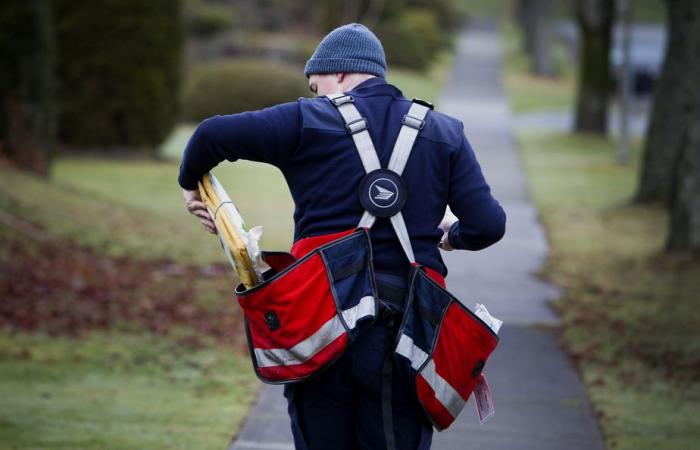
[(240, 245)]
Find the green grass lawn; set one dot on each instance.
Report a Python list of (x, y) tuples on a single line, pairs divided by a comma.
[(629, 311), (132, 207), (69, 394), (119, 391)]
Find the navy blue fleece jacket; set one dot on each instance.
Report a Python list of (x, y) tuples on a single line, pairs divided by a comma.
[(308, 142)]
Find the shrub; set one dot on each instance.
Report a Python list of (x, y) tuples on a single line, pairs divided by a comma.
[(119, 71), (424, 24), (413, 37), (204, 20), (403, 46), (449, 14), (227, 87)]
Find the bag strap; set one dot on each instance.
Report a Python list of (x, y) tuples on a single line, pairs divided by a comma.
[(357, 126)]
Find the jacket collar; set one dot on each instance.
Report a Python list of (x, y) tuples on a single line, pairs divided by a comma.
[(376, 86)]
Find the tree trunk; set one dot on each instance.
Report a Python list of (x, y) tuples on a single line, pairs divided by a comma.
[(540, 29), (595, 19), (26, 97), (684, 232), (675, 101), (524, 17)]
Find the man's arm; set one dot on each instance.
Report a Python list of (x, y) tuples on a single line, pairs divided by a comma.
[(482, 221), (269, 135)]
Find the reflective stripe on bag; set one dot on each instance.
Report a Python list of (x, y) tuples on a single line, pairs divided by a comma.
[(310, 346), (302, 317), (448, 397), (446, 347)]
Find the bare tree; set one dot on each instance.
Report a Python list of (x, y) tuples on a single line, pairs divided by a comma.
[(535, 22), (595, 19), (684, 232), (674, 136), (522, 16), (675, 102), (27, 84)]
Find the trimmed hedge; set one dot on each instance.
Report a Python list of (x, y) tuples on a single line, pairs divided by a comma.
[(204, 20), (412, 40), (232, 86), (119, 71), (424, 24)]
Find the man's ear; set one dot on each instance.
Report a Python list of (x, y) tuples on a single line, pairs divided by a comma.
[(340, 77)]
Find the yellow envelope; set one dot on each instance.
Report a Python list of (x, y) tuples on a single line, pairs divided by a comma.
[(230, 227)]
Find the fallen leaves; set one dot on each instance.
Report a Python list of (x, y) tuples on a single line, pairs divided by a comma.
[(60, 288)]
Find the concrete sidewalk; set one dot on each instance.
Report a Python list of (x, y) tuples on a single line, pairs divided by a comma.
[(540, 401)]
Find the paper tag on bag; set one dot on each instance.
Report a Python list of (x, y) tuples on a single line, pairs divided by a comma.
[(483, 314), (483, 400)]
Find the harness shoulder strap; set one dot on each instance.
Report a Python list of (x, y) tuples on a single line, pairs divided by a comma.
[(412, 123), (357, 126)]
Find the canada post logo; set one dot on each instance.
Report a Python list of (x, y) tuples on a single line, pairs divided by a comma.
[(383, 193)]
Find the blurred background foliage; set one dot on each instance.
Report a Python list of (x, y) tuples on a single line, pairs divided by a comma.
[(118, 66), (250, 84), (117, 77), (99, 99), (116, 317)]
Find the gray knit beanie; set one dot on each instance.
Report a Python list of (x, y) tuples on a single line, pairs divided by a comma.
[(350, 48)]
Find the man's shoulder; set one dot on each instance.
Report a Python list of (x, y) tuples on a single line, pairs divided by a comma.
[(318, 112), (443, 128)]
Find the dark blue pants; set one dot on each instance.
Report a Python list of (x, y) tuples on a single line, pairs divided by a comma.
[(341, 407)]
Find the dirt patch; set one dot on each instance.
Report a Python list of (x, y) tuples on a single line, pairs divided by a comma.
[(61, 288)]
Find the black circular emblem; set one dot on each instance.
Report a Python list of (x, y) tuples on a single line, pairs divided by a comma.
[(382, 192)]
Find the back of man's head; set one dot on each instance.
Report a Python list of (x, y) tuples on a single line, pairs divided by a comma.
[(351, 48)]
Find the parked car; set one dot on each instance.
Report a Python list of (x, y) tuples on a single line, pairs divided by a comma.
[(647, 49)]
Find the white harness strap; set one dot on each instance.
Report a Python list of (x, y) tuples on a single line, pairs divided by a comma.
[(412, 123), (357, 126)]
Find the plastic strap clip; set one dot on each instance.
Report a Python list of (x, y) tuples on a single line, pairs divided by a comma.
[(343, 99), (357, 126), (413, 122)]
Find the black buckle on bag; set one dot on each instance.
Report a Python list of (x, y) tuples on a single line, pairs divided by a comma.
[(357, 126), (272, 321)]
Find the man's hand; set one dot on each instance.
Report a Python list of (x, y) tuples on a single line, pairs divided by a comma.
[(194, 204), (445, 226)]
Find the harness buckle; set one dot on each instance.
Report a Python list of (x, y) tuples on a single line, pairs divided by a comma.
[(357, 126), (413, 122), (343, 99)]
